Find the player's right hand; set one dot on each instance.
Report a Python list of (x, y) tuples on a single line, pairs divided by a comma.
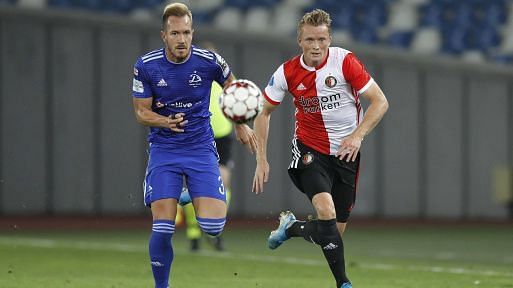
[(176, 122), (261, 176)]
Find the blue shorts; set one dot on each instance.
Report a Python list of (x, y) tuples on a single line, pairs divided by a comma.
[(167, 169)]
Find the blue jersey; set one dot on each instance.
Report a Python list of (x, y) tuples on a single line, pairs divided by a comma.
[(180, 88)]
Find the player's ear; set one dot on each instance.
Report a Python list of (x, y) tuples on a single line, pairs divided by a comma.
[(163, 35)]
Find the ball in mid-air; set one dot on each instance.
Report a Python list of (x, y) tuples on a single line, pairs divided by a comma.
[(241, 101)]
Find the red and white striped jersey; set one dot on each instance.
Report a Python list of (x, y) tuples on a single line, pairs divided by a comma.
[(326, 97)]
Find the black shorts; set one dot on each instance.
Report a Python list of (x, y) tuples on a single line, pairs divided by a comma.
[(224, 149), (313, 172)]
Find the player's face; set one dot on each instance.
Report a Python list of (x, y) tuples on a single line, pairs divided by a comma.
[(314, 41), (177, 37)]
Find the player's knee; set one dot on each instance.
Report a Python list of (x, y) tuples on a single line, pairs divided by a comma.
[(211, 226)]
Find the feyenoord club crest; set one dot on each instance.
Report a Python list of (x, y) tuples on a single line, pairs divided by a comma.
[(330, 81), (307, 158)]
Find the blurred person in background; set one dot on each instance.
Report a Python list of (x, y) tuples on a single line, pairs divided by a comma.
[(326, 83), (222, 128), (171, 90)]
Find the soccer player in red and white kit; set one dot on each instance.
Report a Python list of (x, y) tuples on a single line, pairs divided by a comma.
[(326, 84)]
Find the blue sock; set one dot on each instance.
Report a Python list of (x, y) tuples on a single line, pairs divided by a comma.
[(211, 226), (161, 251)]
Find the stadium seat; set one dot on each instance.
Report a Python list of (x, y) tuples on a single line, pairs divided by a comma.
[(344, 18), (60, 3), (32, 3), (473, 56), (229, 18), (400, 39), (239, 4), (205, 5), (403, 17), (426, 41), (257, 19), (10, 2), (431, 15), (373, 14), (503, 58), (286, 23), (365, 35), (485, 38), (455, 40)]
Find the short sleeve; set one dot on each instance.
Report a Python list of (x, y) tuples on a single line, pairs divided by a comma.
[(141, 83), (277, 87), (355, 73), (223, 69)]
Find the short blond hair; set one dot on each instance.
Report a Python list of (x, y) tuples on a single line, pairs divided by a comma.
[(315, 18), (175, 9)]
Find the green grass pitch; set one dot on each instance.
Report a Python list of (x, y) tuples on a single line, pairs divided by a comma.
[(385, 257)]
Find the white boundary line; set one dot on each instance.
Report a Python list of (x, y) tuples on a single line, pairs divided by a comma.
[(83, 245)]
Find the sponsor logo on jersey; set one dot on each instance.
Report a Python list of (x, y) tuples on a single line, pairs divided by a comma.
[(307, 158), (137, 86), (162, 83), (222, 63), (195, 80), (300, 87), (320, 103), (330, 81)]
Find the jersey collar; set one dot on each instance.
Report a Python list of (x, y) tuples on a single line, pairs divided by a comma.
[(310, 68), (174, 63)]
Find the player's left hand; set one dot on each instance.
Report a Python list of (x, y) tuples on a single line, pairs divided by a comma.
[(247, 137), (349, 148)]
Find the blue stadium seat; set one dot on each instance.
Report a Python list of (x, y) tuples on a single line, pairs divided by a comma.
[(493, 12), (344, 18), (373, 14), (8, 1), (88, 4), (147, 4), (120, 6), (365, 35), (240, 4), (503, 59), (431, 15), (461, 15), (60, 3), (400, 39), (455, 40), (484, 38)]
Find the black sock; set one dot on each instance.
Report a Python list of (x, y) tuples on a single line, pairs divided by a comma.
[(325, 234)]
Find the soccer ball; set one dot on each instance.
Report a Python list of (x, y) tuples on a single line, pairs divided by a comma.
[(241, 101)]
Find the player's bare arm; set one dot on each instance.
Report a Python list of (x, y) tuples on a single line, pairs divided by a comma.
[(145, 116), (378, 106), (261, 127)]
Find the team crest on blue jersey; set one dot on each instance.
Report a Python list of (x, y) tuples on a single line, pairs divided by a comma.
[(330, 81), (195, 79)]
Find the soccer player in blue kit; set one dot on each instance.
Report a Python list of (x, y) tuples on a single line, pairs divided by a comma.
[(171, 93)]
